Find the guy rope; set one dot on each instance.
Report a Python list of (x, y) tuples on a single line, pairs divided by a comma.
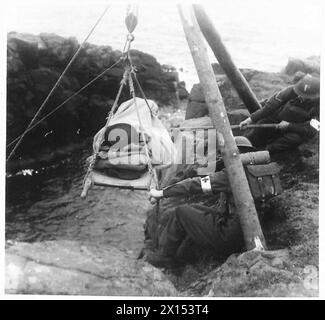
[(30, 125)]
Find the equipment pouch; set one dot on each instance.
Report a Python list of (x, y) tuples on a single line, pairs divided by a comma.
[(264, 180)]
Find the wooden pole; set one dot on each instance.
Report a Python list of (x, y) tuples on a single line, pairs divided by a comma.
[(233, 126), (244, 202), (221, 53)]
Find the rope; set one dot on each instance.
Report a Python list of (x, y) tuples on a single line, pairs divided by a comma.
[(234, 126), (131, 22), (153, 172), (68, 99), (141, 91), (57, 82), (150, 167)]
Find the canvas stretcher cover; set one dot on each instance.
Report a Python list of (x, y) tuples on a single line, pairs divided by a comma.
[(133, 156)]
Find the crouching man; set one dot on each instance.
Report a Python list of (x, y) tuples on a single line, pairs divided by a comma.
[(217, 229), (294, 109)]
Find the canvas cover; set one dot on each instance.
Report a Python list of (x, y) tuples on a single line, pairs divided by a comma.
[(133, 156)]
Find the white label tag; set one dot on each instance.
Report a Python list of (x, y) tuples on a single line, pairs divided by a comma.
[(315, 124), (206, 184)]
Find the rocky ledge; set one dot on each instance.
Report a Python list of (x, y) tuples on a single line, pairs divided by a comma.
[(263, 84)]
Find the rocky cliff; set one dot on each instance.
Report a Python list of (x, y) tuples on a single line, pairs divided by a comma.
[(263, 84), (34, 63)]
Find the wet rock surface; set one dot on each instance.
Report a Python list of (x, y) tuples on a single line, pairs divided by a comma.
[(260, 274), (76, 268), (58, 243)]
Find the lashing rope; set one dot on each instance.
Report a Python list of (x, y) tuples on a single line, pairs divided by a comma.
[(150, 167), (131, 22), (117, 98)]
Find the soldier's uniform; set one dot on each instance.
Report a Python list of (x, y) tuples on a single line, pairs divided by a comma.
[(217, 229)]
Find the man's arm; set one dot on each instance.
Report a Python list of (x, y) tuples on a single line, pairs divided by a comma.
[(213, 183), (273, 104), (305, 128)]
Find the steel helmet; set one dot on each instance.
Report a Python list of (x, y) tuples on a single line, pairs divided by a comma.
[(307, 87), (242, 141)]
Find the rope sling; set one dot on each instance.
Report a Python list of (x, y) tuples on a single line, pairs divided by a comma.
[(128, 79)]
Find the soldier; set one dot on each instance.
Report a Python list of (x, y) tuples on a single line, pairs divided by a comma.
[(292, 109), (217, 229)]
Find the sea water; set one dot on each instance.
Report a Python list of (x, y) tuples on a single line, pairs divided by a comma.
[(259, 34)]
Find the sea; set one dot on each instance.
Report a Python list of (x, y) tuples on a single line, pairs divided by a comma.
[(259, 34)]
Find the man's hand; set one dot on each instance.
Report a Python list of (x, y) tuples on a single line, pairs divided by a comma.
[(283, 125), (155, 195), (245, 123)]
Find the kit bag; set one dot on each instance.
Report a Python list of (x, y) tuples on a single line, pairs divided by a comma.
[(264, 180)]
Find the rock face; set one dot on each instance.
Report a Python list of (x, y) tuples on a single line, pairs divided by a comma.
[(263, 84), (291, 221), (62, 244), (34, 63), (310, 65), (67, 267), (261, 274)]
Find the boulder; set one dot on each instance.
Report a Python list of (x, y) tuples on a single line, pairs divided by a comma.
[(182, 92), (263, 273), (263, 84), (73, 268), (196, 109), (59, 49), (309, 65)]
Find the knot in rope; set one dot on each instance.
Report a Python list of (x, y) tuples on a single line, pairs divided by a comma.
[(130, 37)]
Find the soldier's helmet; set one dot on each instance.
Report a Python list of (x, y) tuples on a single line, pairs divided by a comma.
[(244, 144), (307, 87)]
